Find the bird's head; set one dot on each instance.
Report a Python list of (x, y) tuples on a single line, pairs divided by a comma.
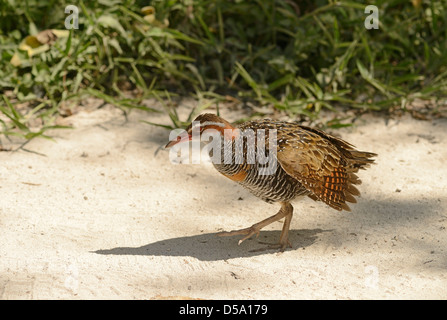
[(200, 124)]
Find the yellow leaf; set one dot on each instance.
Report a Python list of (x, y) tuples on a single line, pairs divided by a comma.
[(149, 18), (31, 45), (15, 60), (38, 50), (61, 33), (148, 10), (29, 42), (416, 3)]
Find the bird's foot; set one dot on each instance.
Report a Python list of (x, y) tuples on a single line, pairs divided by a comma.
[(275, 246), (285, 211), (248, 232)]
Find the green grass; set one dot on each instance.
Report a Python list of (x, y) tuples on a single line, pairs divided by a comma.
[(297, 57)]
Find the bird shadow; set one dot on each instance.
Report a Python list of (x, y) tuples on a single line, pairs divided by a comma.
[(209, 247)]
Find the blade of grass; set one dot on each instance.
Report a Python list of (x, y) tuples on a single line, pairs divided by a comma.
[(13, 115)]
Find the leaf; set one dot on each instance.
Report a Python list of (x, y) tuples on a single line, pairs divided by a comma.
[(68, 43), (368, 77), (61, 33), (16, 60), (158, 125), (377, 84), (246, 76), (196, 72), (124, 103), (110, 22), (29, 42)]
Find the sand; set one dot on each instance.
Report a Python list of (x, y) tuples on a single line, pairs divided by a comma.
[(101, 213)]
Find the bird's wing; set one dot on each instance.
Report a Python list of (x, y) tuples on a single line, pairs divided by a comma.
[(319, 165)]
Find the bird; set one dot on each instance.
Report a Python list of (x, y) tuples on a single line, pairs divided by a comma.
[(280, 161)]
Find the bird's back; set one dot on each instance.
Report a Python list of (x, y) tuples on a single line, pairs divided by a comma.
[(308, 162)]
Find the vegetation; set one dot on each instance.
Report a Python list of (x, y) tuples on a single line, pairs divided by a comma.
[(295, 57)]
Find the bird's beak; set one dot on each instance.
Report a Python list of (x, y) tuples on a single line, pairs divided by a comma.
[(179, 139)]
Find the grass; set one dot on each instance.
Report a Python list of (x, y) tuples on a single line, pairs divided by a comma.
[(294, 57)]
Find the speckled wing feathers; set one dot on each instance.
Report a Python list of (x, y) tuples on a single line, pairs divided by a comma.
[(324, 164)]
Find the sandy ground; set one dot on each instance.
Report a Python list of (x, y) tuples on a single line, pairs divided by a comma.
[(103, 214)]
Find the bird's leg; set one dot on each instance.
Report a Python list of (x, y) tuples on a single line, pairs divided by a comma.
[(285, 211), (284, 238)]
